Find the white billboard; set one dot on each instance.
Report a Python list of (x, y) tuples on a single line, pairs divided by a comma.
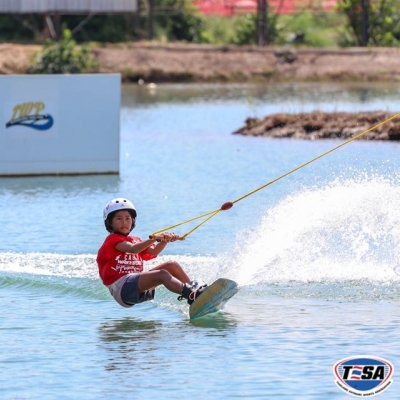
[(59, 124)]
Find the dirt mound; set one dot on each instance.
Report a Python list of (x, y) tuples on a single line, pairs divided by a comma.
[(323, 125)]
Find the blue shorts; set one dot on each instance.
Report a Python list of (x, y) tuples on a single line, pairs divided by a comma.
[(130, 292)]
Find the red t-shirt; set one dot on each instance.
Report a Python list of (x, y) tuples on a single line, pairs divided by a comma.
[(113, 263)]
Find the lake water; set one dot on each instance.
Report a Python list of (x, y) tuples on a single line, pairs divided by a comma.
[(316, 255)]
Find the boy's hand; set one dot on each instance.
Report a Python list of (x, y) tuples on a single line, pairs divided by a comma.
[(169, 237), (166, 237)]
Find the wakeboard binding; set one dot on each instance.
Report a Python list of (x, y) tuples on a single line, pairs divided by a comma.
[(191, 291)]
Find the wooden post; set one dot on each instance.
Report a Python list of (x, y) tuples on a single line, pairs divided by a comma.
[(364, 23), (151, 19), (50, 26), (136, 22), (262, 13), (57, 26)]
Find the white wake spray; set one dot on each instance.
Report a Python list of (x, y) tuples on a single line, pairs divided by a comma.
[(348, 230)]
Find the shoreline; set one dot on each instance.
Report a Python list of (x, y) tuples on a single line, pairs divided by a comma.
[(189, 63)]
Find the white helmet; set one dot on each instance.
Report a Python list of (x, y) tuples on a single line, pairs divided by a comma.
[(116, 205)]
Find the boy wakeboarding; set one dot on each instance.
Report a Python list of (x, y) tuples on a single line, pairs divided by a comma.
[(120, 260)]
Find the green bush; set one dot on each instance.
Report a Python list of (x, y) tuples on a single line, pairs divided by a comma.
[(317, 29), (219, 30), (240, 29), (246, 30), (62, 58), (185, 24)]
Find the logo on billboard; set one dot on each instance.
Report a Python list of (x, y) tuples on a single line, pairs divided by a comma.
[(363, 375), (30, 114)]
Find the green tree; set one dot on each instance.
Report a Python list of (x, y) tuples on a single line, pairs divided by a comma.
[(63, 57), (22, 28), (183, 22), (383, 17), (246, 29)]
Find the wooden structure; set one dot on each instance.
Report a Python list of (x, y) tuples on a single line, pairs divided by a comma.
[(67, 6), (53, 9)]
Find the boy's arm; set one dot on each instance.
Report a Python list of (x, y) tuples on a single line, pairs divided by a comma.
[(128, 247), (157, 249)]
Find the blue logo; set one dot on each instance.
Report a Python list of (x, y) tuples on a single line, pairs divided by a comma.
[(363, 376), (28, 114)]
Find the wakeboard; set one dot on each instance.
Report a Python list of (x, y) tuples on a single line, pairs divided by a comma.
[(213, 298)]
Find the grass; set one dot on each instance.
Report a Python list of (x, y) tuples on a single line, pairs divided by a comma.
[(318, 29)]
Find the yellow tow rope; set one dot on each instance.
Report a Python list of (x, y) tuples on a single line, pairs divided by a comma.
[(229, 204)]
